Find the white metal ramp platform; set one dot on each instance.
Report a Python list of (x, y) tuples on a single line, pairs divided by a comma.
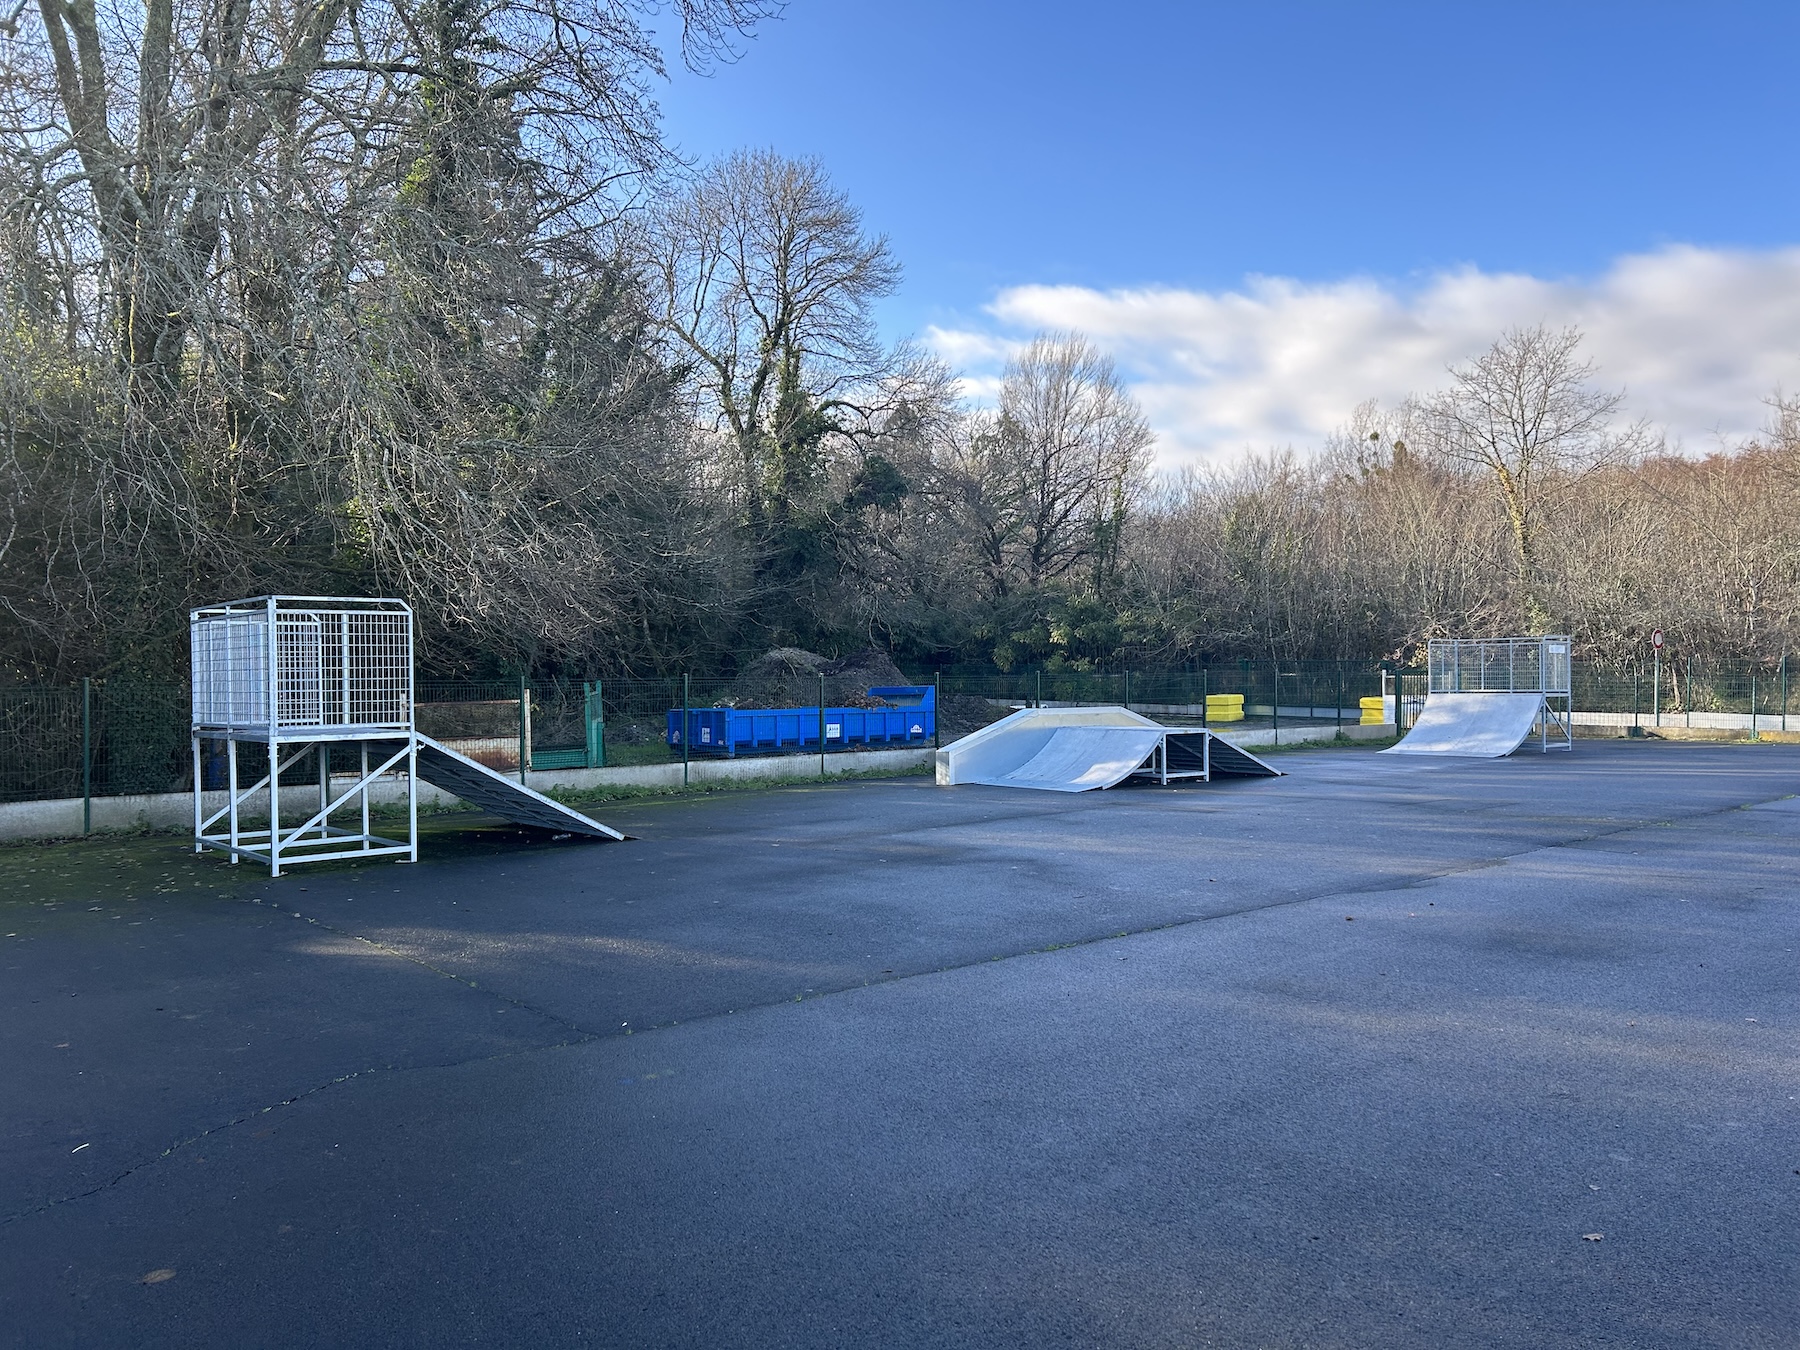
[(1082, 749), (305, 681)]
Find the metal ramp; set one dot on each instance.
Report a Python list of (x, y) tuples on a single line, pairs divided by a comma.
[(1488, 694), (1083, 749), (480, 786), (1476, 726)]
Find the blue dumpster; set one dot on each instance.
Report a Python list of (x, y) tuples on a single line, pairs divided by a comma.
[(730, 732)]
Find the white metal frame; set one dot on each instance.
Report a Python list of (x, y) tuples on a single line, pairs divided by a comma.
[(303, 674), (1157, 766), (1519, 665)]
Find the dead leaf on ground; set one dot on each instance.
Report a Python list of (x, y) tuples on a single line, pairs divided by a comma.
[(158, 1276)]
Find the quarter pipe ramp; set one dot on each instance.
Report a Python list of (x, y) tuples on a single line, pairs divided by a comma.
[(1476, 726), (1080, 749)]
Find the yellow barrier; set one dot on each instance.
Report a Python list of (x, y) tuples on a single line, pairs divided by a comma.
[(1224, 707)]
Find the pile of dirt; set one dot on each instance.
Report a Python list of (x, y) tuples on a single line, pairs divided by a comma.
[(788, 677), (959, 714)]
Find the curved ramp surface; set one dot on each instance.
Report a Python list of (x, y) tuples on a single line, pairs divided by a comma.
[(1477, 726), (481, 786), (1077, 759)]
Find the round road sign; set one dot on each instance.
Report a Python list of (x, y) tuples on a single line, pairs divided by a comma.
[(1656, 639)]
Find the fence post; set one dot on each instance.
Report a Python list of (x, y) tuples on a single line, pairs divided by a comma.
[(524, 728), (1784, 691), (1205, 689), (1037, 700), (1275, 702), (821, 724), (1688, 702), (1753, 704), (1636, 725), (937, 710), (1338, 707), (685, 729), (1128, 691), (594, 714), (87, 755)]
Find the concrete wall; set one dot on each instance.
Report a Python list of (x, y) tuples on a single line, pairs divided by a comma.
[(175, 810), (1250, 740)]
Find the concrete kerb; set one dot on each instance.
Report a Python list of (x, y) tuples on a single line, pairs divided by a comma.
[(61, 819)]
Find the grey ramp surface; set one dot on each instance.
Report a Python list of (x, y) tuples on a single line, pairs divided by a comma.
[(481, 786), (1476, 726), (1079, 759)]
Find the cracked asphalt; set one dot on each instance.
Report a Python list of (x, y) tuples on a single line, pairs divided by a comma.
[(1383, 1053)]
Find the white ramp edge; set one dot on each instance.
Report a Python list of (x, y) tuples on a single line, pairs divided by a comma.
[(1082, 749), (481, 786), (1477, 726)]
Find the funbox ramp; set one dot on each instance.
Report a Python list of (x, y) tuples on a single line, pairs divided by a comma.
[(1477, 726), (1080, 749), (480, 786)]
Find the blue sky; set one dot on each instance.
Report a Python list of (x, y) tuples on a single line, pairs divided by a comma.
[(1045, 150)]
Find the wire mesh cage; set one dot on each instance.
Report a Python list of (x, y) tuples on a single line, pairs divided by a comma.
[(286, 666), (1521, 665)]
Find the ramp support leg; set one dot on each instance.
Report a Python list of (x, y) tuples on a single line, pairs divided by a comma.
[(324, 781), (275, 767), (198, 788), (231, 789), (364, 794)]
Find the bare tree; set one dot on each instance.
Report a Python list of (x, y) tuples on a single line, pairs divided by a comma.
[(311, 267), (1047, 482), (768, 279), (177, 116), (1526, 413)]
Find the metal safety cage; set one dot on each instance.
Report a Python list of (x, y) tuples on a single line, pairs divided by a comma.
[(1513, 665), (303, 675)]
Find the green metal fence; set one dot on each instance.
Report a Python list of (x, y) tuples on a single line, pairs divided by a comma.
[(114, 737)]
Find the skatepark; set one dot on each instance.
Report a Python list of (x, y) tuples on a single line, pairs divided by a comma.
[(1108, 1032), (1401, 1050)]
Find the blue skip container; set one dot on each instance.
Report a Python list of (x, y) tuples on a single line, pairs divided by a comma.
[(730, 732)]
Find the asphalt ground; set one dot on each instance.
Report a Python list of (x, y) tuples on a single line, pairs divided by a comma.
[(1383, 1053)]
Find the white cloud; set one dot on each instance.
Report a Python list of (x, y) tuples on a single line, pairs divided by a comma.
[(1697, 338)]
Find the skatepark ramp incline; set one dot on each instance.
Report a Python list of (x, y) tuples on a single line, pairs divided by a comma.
[(1478, 726), (1488, 694), (480, 786), (1082, 749)]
